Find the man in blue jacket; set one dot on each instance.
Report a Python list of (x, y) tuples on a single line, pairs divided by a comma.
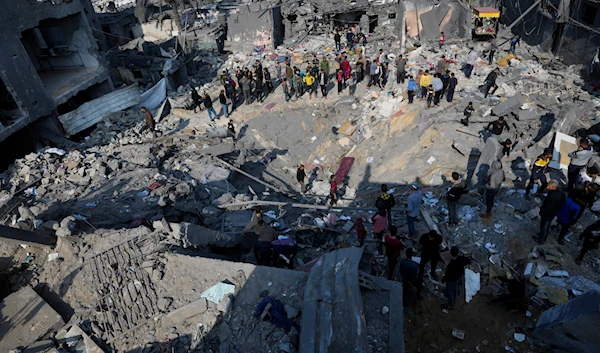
[(411, 89), (413, 208), (567, 216)]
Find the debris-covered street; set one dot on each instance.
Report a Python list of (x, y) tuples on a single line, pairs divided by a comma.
[(185, 176)]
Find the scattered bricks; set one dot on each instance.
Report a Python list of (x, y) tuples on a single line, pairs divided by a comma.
[(533, 213), (186, 312)]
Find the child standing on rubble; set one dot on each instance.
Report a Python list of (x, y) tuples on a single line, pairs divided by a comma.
[(467, 113), (442, 39), (430, 94), (340, 81)]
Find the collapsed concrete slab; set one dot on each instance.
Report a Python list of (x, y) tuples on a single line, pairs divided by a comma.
[(490, 152), (573, 326), (332, 319), (25, 318), (193, 235), (508, 106)]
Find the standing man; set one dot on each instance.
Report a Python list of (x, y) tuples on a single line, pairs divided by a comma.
[(579, 160), (445, 80), (438, 87), (286, 89), (409, 271), (430, 251), (350, 39), (289, 72), (332, 191), (497, 127), (413, 208), (552, 204), (400, 69), (309, 80), (223, 101), (454, 272), (452, 83), (538, 172), (345, 66), (495, 179), (373, 70), (325, 66), (411, 89), (323, 81), (259, 87), (379, 225), (278, 70), (441, 65), (230, 92), (393, 249), (300, 176), (208, 105), (471, 59), (490, 81), (268, 81), (196, 99), (386, 201), (425, 82), (591, 239), (493, 49), (454, 194), (263, 250), (338, 41), (245, 84)]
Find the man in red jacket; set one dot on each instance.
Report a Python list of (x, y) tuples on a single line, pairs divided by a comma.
[(393, 248)]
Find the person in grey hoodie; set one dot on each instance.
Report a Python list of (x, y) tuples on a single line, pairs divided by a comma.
[(492, 186), (413, 208), (579, 160)]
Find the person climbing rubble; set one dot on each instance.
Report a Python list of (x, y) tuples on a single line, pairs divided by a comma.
[(493, 183), (454, 272), (413, 208), (231, 130), (386, 201), (430, 252), (589, 239), (553, 202), (567, 215), (393, 249), (579, 160), (263, 249), (538, 180), (516, 40), (467, 112), (454, 194), (496, 128), (490, 81)]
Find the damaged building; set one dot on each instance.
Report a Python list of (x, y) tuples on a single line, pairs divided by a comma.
[(50, 63)]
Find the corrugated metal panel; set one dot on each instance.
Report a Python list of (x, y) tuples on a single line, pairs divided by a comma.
[(332, 317), (92, 112)]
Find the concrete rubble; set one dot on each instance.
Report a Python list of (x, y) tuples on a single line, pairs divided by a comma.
[(132, 239)]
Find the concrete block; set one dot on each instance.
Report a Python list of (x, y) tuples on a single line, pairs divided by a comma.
[(348, 226), (512, 104), (184, 313), (533, 213), (25, 318), (76, 334), (527, 115)]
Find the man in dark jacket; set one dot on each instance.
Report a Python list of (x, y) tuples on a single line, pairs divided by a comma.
[(300, 176), (409, 271), (490, 81), (400, 69), (452, 83), (263, 250), (430, 244), (197, 100), (591, 239), (386, 201), (552, 204), (455, 191), (497, 127), (338, 41), (454, 272), (208, 105), (567, 216)]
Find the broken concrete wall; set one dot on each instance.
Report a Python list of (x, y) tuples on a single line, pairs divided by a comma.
[(17, 69), (453, 19), (572, 326), (254, 24)]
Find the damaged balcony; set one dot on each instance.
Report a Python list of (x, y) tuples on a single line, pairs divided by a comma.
[(63, 56)]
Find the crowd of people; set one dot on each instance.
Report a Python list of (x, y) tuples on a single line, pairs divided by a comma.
[(431, 86)]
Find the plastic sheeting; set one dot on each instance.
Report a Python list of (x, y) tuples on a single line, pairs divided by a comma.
[(154, 97), (217, 292), (472, 284)]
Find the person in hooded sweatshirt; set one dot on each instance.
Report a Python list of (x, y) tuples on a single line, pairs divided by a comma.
[(567, 216), (379, 223), (579, 160), (494, 181)]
